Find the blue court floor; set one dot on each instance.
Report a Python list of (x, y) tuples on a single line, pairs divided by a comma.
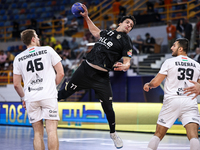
[(21, 138)]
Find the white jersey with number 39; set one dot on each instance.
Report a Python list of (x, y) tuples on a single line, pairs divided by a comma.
[(35, 64), (179, 70)]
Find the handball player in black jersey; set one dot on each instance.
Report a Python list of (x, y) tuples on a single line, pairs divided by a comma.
[(93, 73)]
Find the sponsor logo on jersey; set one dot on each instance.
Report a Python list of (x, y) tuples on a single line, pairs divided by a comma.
[(162, 121), (37, 80), (31, 50), (184, 59), (195, 119), (31, 119), (50, 115), (119, 36), (35, 89), (104, 42), (129, 53), (52, 111), (180, 91)]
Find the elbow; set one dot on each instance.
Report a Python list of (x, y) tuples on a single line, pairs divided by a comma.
[(61, 74), (16, 86)]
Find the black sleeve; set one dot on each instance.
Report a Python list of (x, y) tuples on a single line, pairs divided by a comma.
[(127, 46)]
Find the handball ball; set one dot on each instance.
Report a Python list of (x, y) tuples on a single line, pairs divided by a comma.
[(76, 9)]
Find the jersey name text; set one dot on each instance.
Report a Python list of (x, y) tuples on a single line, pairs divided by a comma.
[(32, 55), (185, 64)]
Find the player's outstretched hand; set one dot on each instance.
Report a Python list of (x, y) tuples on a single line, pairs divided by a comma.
[(146, 87), (193, 89), (85, 13), (120, 67)]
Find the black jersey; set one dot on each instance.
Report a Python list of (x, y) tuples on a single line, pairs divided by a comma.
[(111, 47)]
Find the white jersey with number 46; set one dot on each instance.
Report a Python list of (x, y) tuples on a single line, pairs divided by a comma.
[(179, 70), (35, 64)]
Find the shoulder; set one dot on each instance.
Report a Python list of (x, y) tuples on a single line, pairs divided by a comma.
[(171, 60), (21, 54), (104, 31), (46, 47), (195, 62)]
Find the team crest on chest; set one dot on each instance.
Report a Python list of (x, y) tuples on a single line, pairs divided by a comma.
[(118, 36)]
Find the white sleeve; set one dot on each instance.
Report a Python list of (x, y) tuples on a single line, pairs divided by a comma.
[(55, 58), (16, 68), (164, 68)]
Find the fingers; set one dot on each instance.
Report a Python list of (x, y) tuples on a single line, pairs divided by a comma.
[(118, 69), (85, 9), (195, 96), (24, 105), (191, 90), (193, 82), (118, 66), (118, 63), (146, 87)]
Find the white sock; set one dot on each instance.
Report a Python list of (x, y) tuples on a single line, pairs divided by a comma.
[(153, 143), (194, 144)]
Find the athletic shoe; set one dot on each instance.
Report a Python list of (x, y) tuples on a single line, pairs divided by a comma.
[(117, 140)]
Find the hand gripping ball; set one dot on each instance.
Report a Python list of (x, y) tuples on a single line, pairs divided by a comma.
[(76, 9)]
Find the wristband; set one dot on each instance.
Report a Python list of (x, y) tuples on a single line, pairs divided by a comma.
[(22, 98)]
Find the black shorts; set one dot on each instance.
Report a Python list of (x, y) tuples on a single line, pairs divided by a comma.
[(87, 77)]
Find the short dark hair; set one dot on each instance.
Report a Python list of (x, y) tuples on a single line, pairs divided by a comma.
[(147, 34), (184, 43), (128, 17), (26, 36)]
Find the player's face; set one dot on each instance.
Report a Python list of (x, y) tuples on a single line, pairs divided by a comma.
[(37, 40), (126, 25), (175, 48)]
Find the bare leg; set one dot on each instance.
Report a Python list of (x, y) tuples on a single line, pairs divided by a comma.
[(51, 128), (38, 141), (192, 134), (158, 136), (160, 131)]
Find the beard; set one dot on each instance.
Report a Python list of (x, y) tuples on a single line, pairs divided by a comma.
[(175, 53)]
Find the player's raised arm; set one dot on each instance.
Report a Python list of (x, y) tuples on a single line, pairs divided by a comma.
[(92, 27)]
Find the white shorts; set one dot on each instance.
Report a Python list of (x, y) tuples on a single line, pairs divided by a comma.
[(43, 109), (185, 109)]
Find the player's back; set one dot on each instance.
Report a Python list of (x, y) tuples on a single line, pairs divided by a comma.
[(179, 71), (35, 64)]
